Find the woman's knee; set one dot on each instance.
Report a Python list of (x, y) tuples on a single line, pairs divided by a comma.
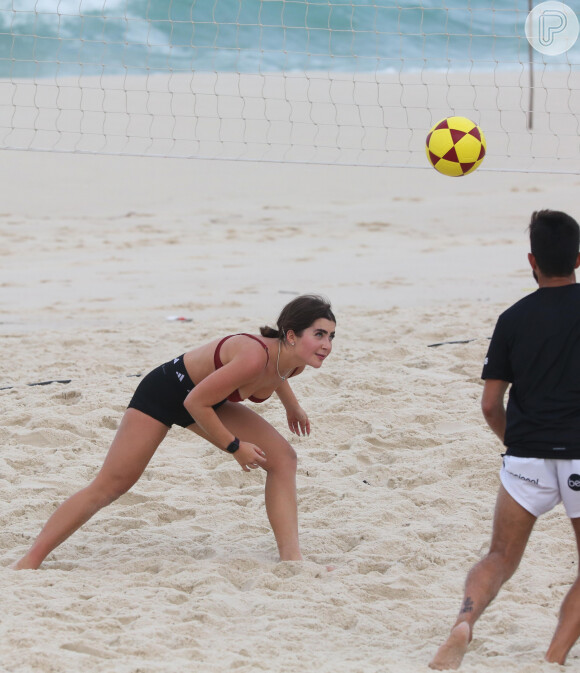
[(284, 457), (106, 489)]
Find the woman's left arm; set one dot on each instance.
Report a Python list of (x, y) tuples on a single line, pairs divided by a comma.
[(297, 418)]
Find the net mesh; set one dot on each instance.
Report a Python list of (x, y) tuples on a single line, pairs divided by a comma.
[(354, 83)]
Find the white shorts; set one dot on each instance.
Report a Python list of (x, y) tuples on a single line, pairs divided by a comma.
[(539, 484)]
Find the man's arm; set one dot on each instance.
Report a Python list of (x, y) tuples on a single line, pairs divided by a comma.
[(492, 405)]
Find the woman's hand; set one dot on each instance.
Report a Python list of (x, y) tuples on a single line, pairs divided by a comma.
[(298, 421), (249, 456)]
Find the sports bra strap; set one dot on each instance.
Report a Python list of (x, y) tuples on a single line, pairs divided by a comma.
[(216, 356)]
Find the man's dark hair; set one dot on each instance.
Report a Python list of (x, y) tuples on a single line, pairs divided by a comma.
[(555, 241)]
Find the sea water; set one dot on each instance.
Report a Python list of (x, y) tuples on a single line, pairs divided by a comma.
[(48, 38)]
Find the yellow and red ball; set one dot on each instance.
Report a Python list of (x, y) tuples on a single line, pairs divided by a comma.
[(455, 146)]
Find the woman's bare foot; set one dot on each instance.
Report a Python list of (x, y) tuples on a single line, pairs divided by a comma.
[(450, 655), (23, 564)]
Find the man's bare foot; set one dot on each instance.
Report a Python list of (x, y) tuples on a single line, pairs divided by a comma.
[(450, 655)]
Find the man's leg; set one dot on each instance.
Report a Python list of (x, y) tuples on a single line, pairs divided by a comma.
[(512, 525), (568, 629)]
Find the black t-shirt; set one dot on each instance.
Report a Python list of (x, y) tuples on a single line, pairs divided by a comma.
[(536, 347)]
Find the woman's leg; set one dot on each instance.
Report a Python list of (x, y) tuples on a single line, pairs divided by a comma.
[(134, 444), (280, 469)]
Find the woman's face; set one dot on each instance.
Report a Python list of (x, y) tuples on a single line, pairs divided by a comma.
[(315, 342)]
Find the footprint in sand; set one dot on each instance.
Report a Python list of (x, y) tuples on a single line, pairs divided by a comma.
[(67, 397)]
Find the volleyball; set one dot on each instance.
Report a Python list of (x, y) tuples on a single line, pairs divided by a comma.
[(455, 146)]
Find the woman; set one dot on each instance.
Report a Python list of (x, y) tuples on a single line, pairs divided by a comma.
[(200, 391)]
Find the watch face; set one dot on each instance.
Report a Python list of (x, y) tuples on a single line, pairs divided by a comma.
[(234, 446)]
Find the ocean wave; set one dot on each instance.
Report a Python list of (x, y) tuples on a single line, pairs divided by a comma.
[(115, 36)]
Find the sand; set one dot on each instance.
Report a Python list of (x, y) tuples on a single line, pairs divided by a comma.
[(396, 483)]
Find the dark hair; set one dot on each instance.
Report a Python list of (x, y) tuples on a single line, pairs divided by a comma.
[(554, 241), (299, 314)]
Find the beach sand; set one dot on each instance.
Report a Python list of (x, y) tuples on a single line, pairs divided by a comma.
[(396, 483)]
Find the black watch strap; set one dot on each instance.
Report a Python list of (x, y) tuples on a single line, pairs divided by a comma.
[(232, 447)]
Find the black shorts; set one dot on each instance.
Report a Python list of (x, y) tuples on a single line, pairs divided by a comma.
[(162, 392)]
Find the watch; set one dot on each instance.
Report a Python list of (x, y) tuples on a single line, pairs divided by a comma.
[(232, 447)]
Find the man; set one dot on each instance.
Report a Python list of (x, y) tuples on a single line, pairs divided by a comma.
[(536, 348)]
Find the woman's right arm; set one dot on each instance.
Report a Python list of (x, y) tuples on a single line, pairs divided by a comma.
[(246, 365)]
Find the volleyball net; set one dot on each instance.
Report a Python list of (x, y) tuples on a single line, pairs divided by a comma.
[(348, 82)]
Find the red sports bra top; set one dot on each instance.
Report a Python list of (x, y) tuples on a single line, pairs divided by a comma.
[(235, 396)]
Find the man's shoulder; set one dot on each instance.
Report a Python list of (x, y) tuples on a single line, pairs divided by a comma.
[(541, 300), (543, 296), (523, 304)]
